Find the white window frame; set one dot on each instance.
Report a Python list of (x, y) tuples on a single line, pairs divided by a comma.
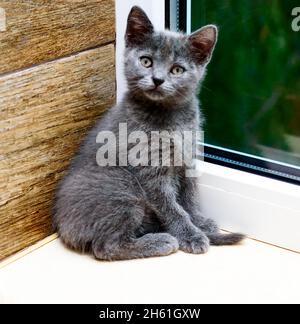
[(264, 209)]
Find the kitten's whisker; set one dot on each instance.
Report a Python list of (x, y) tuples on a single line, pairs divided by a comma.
[(206, 88)]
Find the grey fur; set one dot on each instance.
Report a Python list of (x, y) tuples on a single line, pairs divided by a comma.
[(121, 213)]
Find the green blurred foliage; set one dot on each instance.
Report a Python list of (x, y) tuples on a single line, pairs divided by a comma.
[(251, 94)]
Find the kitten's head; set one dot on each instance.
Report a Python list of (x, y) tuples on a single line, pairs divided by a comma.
[(165, 66)]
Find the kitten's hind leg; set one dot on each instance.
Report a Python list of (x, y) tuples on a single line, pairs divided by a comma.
[(149, 245), (189, 199)]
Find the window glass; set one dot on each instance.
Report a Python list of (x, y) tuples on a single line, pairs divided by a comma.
[(251, 95)]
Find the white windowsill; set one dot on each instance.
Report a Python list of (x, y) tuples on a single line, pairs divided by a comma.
[(262, 208), (250, 273)]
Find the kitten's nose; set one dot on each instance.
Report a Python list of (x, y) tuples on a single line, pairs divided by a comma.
[(157, 81)]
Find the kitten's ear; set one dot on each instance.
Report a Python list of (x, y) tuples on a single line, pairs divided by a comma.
[(202, 43), (139, 27)]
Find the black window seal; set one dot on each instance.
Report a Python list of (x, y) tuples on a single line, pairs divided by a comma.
[(250, 163), (181, 14)]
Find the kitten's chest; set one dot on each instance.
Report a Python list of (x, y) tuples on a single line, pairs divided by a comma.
[(165, 139)]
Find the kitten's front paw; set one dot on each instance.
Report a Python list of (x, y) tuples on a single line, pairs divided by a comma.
[(197, 244)]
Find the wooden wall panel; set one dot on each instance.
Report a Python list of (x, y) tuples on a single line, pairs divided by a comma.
[(42, 30), (44, 112)]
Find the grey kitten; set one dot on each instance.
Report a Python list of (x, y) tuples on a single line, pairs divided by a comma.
[(130, 212)]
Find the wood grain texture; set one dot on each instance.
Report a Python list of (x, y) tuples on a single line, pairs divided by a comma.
[(44, 112), (42, 30)]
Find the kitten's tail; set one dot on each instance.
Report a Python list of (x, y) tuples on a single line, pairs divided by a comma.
[(225, 239)]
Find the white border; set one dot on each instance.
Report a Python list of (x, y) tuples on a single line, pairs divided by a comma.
[(262, 208)]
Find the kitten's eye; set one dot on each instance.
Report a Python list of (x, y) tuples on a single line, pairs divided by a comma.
[(146, 61), (177, 70)]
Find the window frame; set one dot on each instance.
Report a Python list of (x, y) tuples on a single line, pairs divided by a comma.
[(176, 13), (263, 208), (252, 164)]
